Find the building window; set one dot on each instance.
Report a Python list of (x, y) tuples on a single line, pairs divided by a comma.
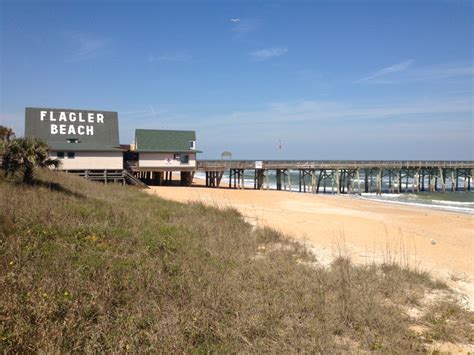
[(185, 159), (192, 145), (71, 155), (177, 156), (60, 155)]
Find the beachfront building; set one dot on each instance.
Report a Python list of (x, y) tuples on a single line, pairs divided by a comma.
[(84, 141), (156, 154)]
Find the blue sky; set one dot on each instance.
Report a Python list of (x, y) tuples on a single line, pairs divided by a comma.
[(327, 79)]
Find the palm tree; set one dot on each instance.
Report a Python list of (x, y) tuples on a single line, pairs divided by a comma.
[(24, 154), (6, 135)]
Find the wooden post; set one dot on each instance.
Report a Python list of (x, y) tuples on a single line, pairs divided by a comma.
[(289, 179), (457, 179), (314, 178), (452, 180), (267, 179), (278, 179), (390, 181), (379, 182), (442, 175), (422, 179), (341, 182), (366, 181), (299, 179), (371, 182), (406, 180), (399, 181), (319, 180), (358, 181), (305, 173), (469, 177), (418, 180), (337, 182), (351, 181), (429, 180)]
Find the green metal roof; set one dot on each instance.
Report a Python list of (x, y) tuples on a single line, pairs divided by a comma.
[(157, 140)]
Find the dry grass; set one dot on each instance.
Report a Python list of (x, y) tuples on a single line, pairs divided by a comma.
[(87, 267)]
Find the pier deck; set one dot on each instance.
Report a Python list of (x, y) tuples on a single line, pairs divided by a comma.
[(344, 176)]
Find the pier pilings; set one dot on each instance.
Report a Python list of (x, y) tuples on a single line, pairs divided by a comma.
[(341, 177)]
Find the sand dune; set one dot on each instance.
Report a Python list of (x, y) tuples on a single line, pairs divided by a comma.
[(435, 241)]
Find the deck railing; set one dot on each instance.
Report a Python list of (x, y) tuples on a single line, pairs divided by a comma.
[(330, 164)]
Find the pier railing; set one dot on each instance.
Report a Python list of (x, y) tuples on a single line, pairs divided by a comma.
[(344, 174), (330, 164)]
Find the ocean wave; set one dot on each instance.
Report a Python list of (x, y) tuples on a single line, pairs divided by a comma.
[(457, 203), (425, 205)]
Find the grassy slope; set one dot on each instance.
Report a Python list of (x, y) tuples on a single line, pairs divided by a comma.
[(94, 268)]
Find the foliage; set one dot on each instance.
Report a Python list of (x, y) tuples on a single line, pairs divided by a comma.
[(24, 154), (6, 134)]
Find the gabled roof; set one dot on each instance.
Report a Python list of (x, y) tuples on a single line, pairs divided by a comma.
[(158, 140)]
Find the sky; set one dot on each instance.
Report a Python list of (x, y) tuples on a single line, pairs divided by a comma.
[(262, 79)]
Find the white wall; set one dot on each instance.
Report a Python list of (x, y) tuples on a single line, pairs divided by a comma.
[(92, 160), (165, 160)]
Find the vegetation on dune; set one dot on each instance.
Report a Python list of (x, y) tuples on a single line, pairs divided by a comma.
[(87, 267), (6, 134), (23, 154)]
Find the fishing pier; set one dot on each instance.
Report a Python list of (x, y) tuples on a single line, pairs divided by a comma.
[(342, 176)]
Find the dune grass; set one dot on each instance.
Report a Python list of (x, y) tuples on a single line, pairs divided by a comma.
[(88, 267)]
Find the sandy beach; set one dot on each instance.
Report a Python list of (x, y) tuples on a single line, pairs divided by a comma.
[(367, 231)]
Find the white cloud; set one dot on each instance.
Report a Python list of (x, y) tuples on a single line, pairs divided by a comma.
[(406, 73), (235, 20), (85, 45), (415, 129), (179, 56), (267, 53), (243, 27), (388, 70), (298, 113)]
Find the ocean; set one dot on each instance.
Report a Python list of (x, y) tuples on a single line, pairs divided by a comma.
[(456, 201)]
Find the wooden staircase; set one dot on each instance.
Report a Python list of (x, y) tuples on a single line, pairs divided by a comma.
[(132, 180)]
